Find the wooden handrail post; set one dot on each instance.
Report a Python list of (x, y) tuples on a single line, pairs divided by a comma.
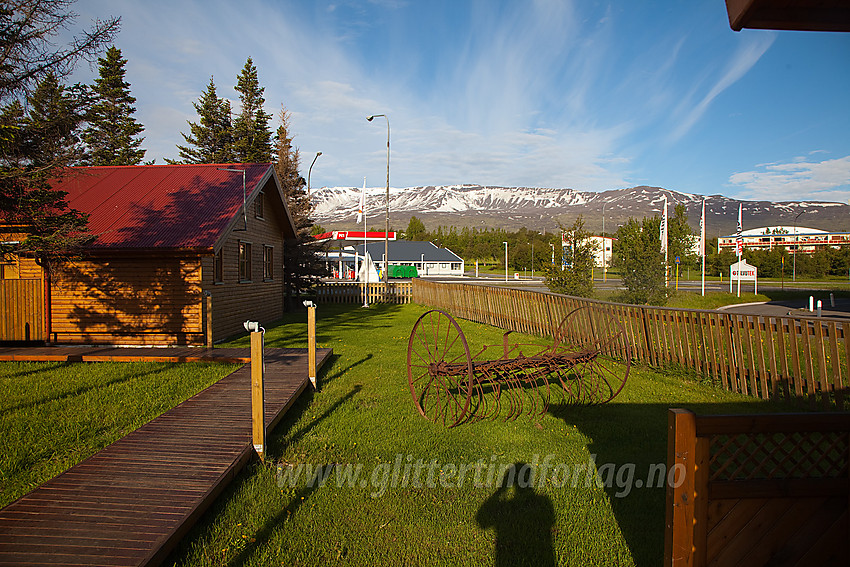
[(311, 343), (208, 301), (258, 425)]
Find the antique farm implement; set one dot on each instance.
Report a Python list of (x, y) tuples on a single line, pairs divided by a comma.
[(452, 386)]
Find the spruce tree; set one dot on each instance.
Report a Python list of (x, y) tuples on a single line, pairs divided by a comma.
[(302, 265), (52, 127), (252, 139), (41, 138), (210, 139), (110, 134), (30, 54)]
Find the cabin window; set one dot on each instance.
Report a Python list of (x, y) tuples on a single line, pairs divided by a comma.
[(259, 205), (9, 268), (268, 262), (218, 268), (244, 261)]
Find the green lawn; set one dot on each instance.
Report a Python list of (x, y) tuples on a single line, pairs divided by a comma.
[(54, 415), (410, 503)]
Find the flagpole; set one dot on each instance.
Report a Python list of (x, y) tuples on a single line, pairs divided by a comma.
[(664, 242), (702, 245), (739, 241), (365, 265)]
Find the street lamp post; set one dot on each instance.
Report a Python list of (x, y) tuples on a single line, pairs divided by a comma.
[(506, 261), (309, 171), (796, 247), (387, 229)]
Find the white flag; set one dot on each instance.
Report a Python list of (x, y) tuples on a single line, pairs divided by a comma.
[(702, 231), (739, 239), (361, 207), (664, 228)]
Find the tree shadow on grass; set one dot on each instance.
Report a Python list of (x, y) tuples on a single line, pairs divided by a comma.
[(291, 330), (81, 390), (629, 441)]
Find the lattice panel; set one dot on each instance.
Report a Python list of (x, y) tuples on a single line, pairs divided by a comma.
[(779, 455)]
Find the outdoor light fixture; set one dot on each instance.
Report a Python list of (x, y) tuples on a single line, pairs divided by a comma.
[(387, 229), (244, 195), (308, 303), (252, 326)]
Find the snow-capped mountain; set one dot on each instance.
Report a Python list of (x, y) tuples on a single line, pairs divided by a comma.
[(541, 208)]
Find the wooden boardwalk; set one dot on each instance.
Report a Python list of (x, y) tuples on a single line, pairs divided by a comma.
[(130, 503)]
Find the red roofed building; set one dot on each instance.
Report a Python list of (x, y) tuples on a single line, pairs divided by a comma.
[(176, 259)]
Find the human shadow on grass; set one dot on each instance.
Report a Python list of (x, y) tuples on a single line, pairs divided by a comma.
[(522, 519), (629, 449)]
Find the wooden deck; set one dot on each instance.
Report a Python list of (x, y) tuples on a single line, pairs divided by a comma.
[(131, 503)]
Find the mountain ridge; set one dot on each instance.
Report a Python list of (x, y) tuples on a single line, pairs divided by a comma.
[(538, 208)]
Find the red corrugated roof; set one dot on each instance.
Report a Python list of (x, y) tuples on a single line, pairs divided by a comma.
[(159, 206)]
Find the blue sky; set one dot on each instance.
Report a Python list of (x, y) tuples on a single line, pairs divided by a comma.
[(589, 95)]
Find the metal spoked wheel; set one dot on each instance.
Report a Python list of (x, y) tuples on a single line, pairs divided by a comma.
[(588, 335), (439, 368)]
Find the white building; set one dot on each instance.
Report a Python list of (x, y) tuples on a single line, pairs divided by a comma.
[(801, 238), (602, 250), (429, 259)]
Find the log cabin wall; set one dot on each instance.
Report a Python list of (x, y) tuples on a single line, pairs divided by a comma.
[(258, 298), (133, 298)]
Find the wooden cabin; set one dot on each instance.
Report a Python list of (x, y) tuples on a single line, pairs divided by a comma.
[(182, 255)]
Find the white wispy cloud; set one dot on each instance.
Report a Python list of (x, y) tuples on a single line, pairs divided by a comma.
[(827, 180), (694, 107)]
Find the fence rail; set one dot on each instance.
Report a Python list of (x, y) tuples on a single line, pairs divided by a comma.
[(352, 292), (21, 316), (749, 354), (757, 489)]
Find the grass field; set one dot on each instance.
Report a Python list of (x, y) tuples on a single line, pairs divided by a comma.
[(54, 415), (402, 490)]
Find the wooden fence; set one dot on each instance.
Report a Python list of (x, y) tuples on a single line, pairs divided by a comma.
[(749, 354), (757, 489), (21, 317), (352, 292)]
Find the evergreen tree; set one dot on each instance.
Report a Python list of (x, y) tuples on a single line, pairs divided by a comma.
[(415, 230), (210, 139), (36, 141), (110, 134), (51, 130), (302, 265), (252, 141), (577, 278)]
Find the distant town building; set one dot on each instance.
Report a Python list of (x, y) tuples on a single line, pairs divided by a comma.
[(803, 239), (428, 258), (602, 250)]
